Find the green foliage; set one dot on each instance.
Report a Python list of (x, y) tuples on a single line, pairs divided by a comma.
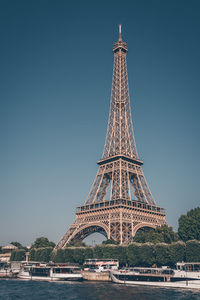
[(58, 256), (42, 242), (177, 253), (141, 254), (79, 256), (69, 255), (162, 234), (162, 254), (109, 242), (189, 225), (18, 245), (98, 252), (192, 251), (41, 250), (168, 234), (107, 251), (147, 237), (18, 255), (119, 252), (147, 255), (77, 243), (88, 252), (41, 254), (72, 255), (133, 254)]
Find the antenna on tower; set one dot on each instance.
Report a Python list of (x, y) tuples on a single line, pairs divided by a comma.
[(120, 32)]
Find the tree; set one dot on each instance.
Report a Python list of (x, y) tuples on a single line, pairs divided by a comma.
[(69, 255), (18, 255), (88, 252), (133, 254), (107, 251), (148, 237), (98, 252), (162, 254), (176, 252), (147, 254), (59, 256), (43, 242), (78, 256), (162, 234), (119, 252), (109, 242), (189, 225), (168, 234), (76, 243), (18, 245), (193, 251), (43, 254)]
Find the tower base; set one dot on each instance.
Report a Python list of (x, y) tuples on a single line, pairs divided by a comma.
[(115, 219)]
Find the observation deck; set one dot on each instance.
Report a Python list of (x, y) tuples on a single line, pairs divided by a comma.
[(121, 203)]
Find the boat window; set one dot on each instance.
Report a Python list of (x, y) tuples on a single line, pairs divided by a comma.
[(60, 270), (197, 267), (168, 271), (44, 272)]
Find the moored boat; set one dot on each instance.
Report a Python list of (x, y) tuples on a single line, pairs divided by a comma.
[(5, 270), (8, 270), (50, 272), (183, 277)]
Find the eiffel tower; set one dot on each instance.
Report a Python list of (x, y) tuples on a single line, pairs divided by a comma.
[(120, 201)]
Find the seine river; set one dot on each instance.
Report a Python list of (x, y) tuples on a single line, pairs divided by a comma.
[(32, 290)]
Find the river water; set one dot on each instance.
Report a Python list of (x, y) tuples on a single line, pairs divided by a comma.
[(33, 290)]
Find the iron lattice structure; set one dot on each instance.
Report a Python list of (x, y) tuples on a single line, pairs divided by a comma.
[(120, 201)]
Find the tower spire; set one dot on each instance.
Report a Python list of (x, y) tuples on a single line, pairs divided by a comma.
[(120, 32)]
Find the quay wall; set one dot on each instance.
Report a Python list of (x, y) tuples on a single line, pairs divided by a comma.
[(95, 276)]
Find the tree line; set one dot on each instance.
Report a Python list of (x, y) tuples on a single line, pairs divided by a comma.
[(134, 254)]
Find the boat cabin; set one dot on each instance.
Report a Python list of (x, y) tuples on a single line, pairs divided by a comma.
[(188, 267), (101, 265)]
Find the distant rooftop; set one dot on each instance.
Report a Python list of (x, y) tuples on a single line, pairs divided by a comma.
[(9, 247)]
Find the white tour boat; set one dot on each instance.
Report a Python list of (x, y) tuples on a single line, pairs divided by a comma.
[(186, 275), (50, 272)]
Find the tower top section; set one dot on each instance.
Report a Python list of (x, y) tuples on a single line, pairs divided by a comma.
[(120, 32), (120, 46), (120, 142)]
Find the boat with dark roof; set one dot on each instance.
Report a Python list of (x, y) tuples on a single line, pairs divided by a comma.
[(186, 275), (50, 272)]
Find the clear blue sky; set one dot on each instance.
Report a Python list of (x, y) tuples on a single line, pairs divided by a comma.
[(55, 81)]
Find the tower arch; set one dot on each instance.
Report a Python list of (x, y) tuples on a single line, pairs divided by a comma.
[(143, 225), (86, 230)]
